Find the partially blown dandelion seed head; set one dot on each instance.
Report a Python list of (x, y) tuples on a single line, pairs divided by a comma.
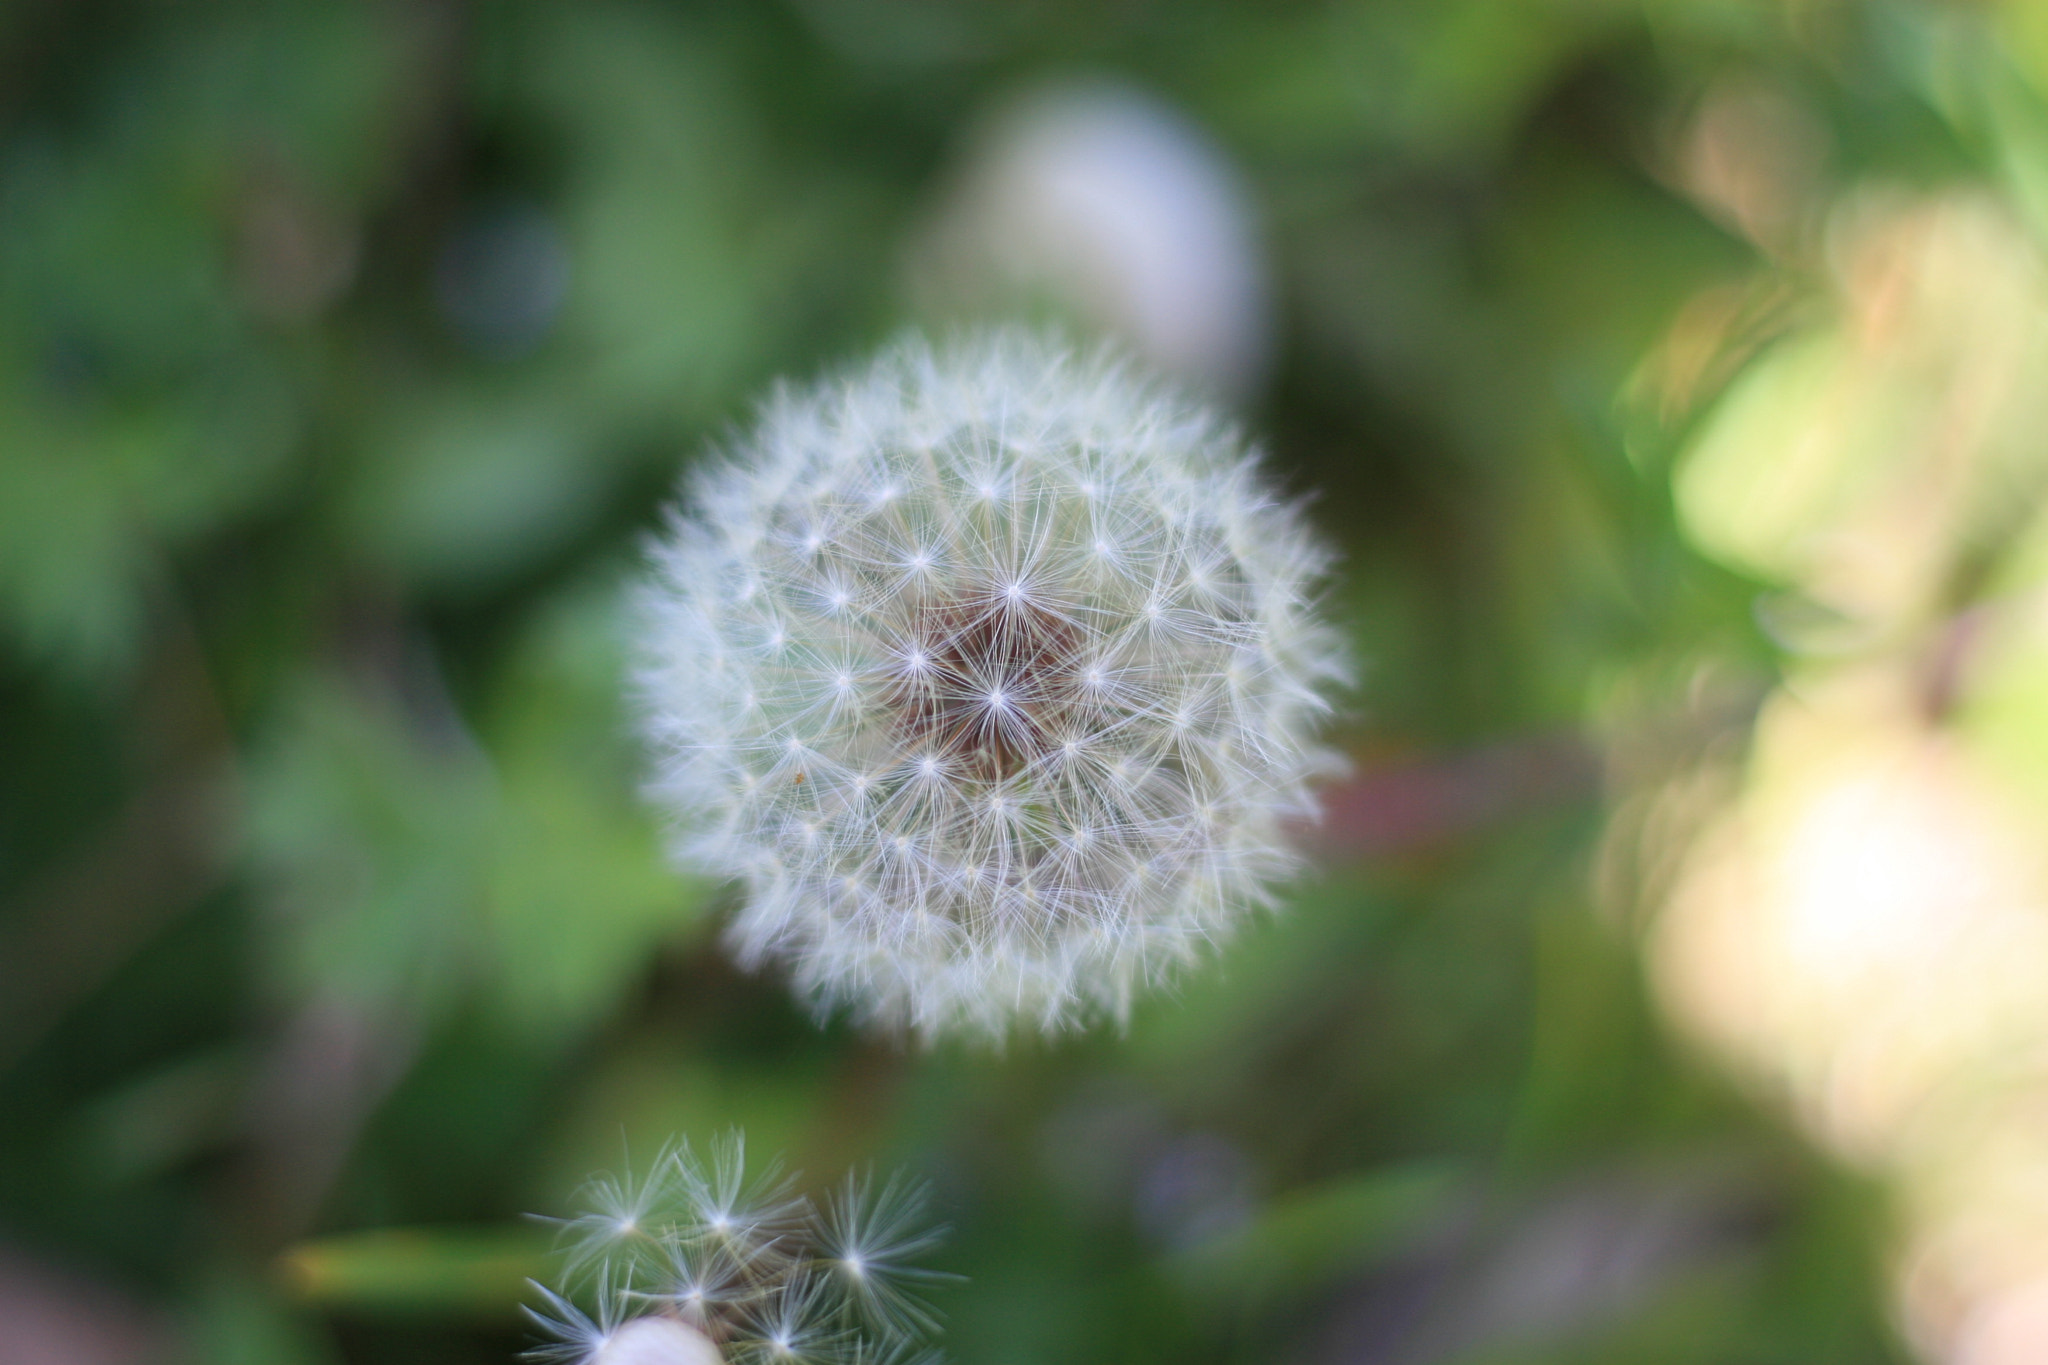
[(993, 675), (726, 1268)]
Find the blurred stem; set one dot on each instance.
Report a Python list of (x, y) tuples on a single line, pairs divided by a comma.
[(1413, 804), (338, 1056), (333, 1064), (75, 926)]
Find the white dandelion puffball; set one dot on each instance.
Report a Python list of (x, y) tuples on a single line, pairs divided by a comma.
[(992, 675)]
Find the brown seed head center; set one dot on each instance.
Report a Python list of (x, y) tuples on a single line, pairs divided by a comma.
[(987, 684)]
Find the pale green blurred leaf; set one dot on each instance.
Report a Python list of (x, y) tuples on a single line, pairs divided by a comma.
[(460, 487), (370, 836), (580, 892), (477, 1273)]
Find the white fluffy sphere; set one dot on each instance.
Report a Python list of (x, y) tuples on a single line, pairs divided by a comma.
[(992, 675), (655, 1341)]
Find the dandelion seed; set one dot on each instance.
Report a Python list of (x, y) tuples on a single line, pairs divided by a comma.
[(1076, 602), (578, 1337), (625, 1212), (871, 1236)]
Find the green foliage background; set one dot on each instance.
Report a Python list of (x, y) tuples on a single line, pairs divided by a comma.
[(333, 936)]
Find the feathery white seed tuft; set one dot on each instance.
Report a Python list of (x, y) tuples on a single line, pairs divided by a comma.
[(992, 674)]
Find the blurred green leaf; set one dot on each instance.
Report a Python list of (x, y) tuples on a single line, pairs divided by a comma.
[(472, 1272), (235, 1319), (580, 891), (370, 835), (458, 488)]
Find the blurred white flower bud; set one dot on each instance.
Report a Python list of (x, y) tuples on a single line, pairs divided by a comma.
[(656, 1341), (992, 675), (1113, 207)]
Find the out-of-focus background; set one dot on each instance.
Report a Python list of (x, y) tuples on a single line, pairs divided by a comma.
[(1672, 985)]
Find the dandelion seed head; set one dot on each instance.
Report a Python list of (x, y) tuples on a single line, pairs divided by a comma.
[(746, 1271), (1001, 593)]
